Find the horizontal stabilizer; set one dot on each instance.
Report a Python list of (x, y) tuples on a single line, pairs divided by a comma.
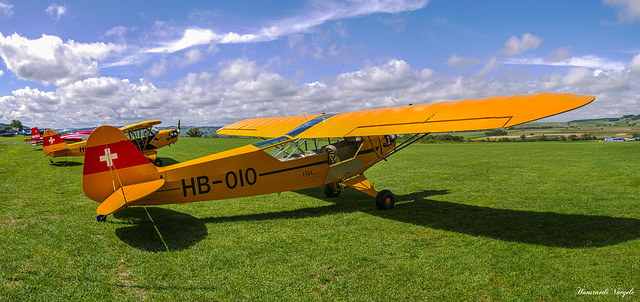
[(127, 195)]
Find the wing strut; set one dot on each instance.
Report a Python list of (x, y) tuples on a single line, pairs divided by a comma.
[(416, 137)]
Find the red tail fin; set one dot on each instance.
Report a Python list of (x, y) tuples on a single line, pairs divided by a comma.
[(35, 133), (51, 141), (115, 172)]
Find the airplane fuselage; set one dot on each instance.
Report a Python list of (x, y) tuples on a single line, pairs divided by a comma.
[(253, 170)]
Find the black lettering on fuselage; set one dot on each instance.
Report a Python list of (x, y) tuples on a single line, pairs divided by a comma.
[(233, 180), (185, 187), (203, 182)]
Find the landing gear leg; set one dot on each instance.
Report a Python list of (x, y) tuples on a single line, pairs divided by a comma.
[(101, 218), (385, 200)]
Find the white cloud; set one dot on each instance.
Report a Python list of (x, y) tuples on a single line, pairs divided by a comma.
[(158, 68), (6, 9), (323, 11), (191, 37), (489, 67), (49, 60), (460, 61), (584, 61), (243, 89), (191, 56), (515, 46), (56, 11), (559, 54), (628, 10), (634, 65), (395, 74)]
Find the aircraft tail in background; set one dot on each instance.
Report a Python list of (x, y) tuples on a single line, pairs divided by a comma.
[(35, 139), (51, 142)]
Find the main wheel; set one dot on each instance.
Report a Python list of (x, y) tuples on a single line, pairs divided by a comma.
[(330, 192), (385, 200), (101, 218)]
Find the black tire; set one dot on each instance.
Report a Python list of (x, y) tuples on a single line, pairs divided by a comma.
[(330, 192), (101, 218), (157, 162), (385, 200)]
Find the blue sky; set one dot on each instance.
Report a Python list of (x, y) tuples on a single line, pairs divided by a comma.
[(86, 63)]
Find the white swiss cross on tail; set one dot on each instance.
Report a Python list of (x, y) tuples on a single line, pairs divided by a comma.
[(51, 140), (108, 157)]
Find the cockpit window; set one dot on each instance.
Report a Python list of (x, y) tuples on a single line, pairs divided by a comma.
[(270, 142)]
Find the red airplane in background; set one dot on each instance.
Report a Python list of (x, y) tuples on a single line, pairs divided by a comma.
[(78, 136)]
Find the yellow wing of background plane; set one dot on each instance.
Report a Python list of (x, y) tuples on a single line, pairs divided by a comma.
[(470, 114), (138, 126)]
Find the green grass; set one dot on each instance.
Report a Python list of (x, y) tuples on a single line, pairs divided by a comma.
[(499, 222)]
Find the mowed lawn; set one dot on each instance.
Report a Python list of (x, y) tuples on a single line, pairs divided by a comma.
[(476, 222)]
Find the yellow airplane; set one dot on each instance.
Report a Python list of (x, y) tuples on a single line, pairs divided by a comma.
[(143, 136), (295, 157)]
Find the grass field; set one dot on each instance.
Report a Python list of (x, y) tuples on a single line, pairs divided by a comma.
[(547, 221)]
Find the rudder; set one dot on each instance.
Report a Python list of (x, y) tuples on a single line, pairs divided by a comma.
[(112, 166), (51, 141)]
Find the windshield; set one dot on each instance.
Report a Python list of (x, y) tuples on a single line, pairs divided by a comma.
[(270, 142)]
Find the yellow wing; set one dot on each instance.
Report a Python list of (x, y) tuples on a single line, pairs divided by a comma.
[(470, 114), (138, 126), (265, 127)]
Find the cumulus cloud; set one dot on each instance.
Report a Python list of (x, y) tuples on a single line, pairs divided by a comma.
[(241, 88), (50, 60), (628, 10), (56, 11), (634, 65), (515, 46), (6, 9), (395, 74)]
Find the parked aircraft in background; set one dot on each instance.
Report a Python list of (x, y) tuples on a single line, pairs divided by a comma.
[(73, 137), (144, 137)]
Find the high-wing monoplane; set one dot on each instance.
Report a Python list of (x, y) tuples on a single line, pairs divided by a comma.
[(333, 150), (142, 135)]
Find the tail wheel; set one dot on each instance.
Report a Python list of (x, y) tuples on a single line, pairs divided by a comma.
[(157, 162), (330, 191), (385, 200)]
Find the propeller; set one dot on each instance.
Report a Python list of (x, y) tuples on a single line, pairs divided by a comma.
[(174, 132)]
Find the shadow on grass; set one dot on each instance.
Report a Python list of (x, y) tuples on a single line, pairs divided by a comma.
[(540, 228), (181, 231), (66, 164)]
